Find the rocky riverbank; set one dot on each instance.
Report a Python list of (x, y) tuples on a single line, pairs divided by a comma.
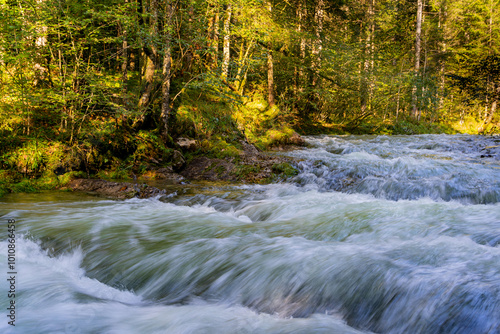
[(251, 166), (118, 190)]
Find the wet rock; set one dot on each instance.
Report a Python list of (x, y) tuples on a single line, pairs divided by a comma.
[(249, 149), (492, 151), (203, 168), (178, 161), (296, 139), (165, 174), (168, 174), (116, 190)]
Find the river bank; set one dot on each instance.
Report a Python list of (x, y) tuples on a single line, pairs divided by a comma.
[(249, 165)]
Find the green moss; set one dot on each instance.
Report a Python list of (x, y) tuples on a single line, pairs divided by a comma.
[(67, 177), (243, 171), (25, 186), (220, 170), (220, 148), (205, 116), (13, 183), (48, 181), (284, 169), (274, 137)]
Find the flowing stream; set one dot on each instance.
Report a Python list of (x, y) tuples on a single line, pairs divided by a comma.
[(374, 235)]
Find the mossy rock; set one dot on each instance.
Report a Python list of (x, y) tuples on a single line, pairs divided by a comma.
[(241, 172), (284, 169)]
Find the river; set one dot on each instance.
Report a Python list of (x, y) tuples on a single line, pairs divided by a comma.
[(376, 234)]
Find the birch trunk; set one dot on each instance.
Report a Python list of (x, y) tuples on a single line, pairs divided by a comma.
[(270, 70), (299, 72), (226, 50), (318, 42), (124, 57), (368, 61), (418, 33)]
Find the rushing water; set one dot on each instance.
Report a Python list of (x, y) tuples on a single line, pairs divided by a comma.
[(375, 235)]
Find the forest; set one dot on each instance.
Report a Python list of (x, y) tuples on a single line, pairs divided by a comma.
[(106, 88)]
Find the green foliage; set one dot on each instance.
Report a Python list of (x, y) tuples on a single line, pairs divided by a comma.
[(67, 177), (75, 93), (206, 116), (412, 127), (6, 179), (479, 79), (150, 147), (25, 186), (29, 159)]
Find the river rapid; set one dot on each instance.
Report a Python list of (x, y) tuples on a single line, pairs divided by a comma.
[(376, 234)]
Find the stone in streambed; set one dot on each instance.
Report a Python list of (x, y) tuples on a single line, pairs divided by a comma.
[(116, 190)]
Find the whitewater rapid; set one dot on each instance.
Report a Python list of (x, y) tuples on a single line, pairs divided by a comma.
[(374, 235)]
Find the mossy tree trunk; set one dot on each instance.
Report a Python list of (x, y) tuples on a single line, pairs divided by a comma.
[(166, 110)]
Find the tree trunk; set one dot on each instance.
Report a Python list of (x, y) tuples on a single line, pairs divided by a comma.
[(242, 64), (166, 111), (270, 69), (418, 33), (124, 57), (149, 75), (226, 50), (124, 61), (318, 42), (368, 61), (213, 34), (442, 62), (493, 108), (151, 60), (216, 37), (270, 78), (299, 72)]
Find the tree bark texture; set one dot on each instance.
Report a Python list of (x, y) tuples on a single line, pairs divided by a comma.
[(270, 69), (418, 33), (151, 57), (317, 46), (166, 111), (227, 41)]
